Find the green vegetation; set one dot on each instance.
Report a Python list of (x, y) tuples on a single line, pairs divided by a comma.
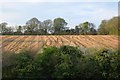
[(109, 26), (65, 62), (58, 27), (86, 28), (59, 24)]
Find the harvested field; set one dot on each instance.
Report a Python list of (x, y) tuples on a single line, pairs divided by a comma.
[(17, 43)]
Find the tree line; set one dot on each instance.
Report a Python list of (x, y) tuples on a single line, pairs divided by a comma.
[(58, 27)]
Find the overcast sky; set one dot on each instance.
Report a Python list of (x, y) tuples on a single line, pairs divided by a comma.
[(18, 12)]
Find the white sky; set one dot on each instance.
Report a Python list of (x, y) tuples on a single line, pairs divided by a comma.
[(18, 12)]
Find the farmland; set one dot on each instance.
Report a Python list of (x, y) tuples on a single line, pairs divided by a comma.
[(34, 42)]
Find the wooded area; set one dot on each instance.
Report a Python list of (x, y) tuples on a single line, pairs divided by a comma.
[(58, 27), (65, 62)]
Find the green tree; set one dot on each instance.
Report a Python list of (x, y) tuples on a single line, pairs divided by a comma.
[(20, 66), (32, 26), (102, 28), (76, 29), (65, 62), (109, 26), (87, 28), (70, 58), (112, 26), (72, 31), (58, 62), (19, 30), (3, 28), (47, 25), (45, 62), (59, 24), (93, 31), (109, 63)]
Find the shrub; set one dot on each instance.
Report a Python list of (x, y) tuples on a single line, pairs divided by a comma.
[(65, 62), (109, 63), (20, 67)]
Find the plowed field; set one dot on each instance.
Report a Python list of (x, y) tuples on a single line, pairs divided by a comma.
[(17, 43)]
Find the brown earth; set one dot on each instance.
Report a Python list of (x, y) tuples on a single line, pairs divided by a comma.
[(17, 43)]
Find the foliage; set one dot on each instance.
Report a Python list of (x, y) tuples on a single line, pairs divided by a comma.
[(58, 27), (65, 62), (108, 63), (109, 26), (112, 26), (59, 24), (19, 67), (86, 28), (102, 29)]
